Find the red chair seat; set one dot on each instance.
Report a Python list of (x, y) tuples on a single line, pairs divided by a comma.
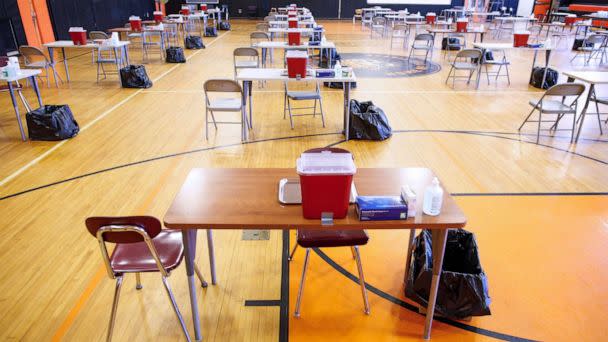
[(331, 238), (136, 257)]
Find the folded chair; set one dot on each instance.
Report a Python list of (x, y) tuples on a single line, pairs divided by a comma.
[(34, 58), (467, 60), (423, 42), (141, 245)]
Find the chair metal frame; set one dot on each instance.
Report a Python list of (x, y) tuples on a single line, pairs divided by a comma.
[(599, 41), (358, 15), (302, 96), (466, 59), (428, 39), (461, 44), (377, 24), (222, 86), (28, 52), (119, 276), (562, 90), (400, 31), (502, 62)]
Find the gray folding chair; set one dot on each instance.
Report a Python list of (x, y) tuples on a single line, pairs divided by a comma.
[(455, 42), (311, 95), (423, 42), (593, 46), (34, 58), (378, 25), (501, 62), (548, 106), (263, 27), (367, 18), (245, 57), (467, 60), (97, 36), (222, 104), (400, 32)]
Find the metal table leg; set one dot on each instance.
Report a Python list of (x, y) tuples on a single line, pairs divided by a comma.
[(533, 64), (346, 86), (250, 86), (65, 64), (584, 112), (408, 260), (211, 256), (189, 239), (244, 112), (439, 237), (547, 58), (126, 49), (36, 90), (16, 107)]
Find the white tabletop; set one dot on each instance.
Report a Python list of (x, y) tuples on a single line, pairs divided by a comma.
[(451, 30), (594, 77), (284, 45), (504, 46), (515, 19), (286, 23), (300, 16), (300, 29), (23, 73), (70, 44), (274, 74)]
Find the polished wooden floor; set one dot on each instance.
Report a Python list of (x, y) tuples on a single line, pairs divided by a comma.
[(539, 211)]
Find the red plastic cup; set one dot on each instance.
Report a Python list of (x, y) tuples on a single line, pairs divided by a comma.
[(461, 26), (135, 24), (79, 38), (430, 19), (520, 39), (293, 38)]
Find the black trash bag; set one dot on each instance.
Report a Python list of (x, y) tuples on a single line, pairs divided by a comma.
[(210, 31), (339, 85), (324, 61), (175, 54), (51, 123), (134, 76), (224, 26), (578, 43), (489, 56), (463, 286), (444, 44), (368, 122), (193, 42), (537, 78)]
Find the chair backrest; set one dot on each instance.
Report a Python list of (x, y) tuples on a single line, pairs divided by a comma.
[(424, 37), (147, 224), (96, 35), (469, 53), (379, 21), (358, 11), (124, 230), (245, 52), (400, 27), (30, 53), (262, 27), (595, 39), (566, 89), (257, 36), (222, 86)]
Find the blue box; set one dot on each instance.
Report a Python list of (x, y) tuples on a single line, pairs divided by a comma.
[(381, 208)]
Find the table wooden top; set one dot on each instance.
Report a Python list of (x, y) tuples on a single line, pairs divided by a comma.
[(594, 77), (248, 199)]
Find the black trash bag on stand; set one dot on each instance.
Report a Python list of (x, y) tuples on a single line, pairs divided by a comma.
[(463, 286), (134, 76), (550, 80), (210, 31), (193, 42), (175, 54), (444, 44), (339, 85), (224, 26), (51, 123), (578, 43), (368, 122)]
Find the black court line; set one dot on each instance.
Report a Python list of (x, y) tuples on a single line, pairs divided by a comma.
[(263, 302), (465, 132), (413, 308)]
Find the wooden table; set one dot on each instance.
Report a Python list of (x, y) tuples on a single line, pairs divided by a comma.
[(68, 44), (207, 200), (249, 75), (593, 78), (22, 74)]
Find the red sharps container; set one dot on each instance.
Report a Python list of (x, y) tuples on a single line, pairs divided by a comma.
[(158, 16), (430, 18), (135, 23), (185, 10), (293, 22), (293, 36), (570, 20), (461, 25), (520, 39), (296, 63), (204, 7), (326, 176), (78, 35)]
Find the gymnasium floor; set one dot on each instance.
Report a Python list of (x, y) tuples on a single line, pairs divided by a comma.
[(539, 211)]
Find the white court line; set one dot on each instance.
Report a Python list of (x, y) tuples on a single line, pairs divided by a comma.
[(97, 119)]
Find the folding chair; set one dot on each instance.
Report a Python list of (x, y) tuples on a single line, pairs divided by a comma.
[(467, 60), (502, 62), (292, 95), (400, 31), (378, 25), (593, 45), (423, 42), (34, 58), (223, 104)]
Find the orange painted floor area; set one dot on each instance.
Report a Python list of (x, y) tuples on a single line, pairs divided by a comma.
[(546, 258)]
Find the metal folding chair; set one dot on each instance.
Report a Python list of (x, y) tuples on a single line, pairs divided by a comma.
[(223, 104), (467, 60), (34, 58)]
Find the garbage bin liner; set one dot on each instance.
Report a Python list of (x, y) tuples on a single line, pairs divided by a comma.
[(194, 42), (537, 78), (51, 123), (463, 286), (175, 54), (134, 76), (368, 122)]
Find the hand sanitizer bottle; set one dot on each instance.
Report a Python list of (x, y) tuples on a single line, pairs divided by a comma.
[(433, 198), (338, 69)]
